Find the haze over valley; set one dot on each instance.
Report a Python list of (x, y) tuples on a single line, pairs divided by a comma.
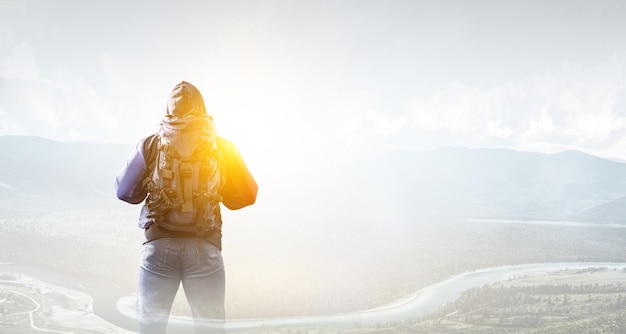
[(358, 236)]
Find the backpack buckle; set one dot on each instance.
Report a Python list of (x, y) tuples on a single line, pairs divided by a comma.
[(186, 169)]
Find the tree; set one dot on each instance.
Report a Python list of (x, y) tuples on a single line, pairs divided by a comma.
[(565, 300)]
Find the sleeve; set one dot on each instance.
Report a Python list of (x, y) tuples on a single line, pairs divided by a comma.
[(240, 188), (129, 181)]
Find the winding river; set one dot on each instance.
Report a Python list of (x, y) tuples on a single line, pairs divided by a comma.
[(115, 306)]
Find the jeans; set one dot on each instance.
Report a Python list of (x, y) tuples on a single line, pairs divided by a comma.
[(167, 262)]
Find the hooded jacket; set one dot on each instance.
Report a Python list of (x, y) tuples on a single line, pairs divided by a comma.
[(185, 108)]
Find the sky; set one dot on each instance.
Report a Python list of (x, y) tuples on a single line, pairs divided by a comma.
[(299, 85), (316, 81)]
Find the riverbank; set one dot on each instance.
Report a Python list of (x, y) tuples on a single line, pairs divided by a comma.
[(414, 306), (103, 296), (26, 302), (591, 300), (540, 301)]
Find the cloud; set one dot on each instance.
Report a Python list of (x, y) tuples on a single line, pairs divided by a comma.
[(20, 63), (9, 126), (7, 37), (494, 129), (577, 107), (63, 105), (461, 109), (360, 121), (574, 107), (62, 111)]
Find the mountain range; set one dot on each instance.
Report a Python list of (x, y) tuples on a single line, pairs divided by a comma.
[(448, 182), (42, 169)]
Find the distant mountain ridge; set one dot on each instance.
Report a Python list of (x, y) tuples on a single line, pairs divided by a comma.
[(40, 167), (483, 183), (446, 182)]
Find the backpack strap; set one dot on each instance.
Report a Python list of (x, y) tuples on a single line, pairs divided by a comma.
[(207, 197), (150, 152), (204, 153), (185, 172), (159, 178), (183, 179)]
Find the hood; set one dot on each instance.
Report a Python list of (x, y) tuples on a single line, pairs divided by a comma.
[(185, 100), (186, 114)]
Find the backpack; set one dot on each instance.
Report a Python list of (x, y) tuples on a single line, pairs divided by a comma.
[(184, 183)]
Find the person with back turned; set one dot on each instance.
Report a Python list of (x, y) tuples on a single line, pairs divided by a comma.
[(183, 172)]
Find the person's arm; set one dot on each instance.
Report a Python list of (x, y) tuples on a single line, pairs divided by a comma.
[(129, 181), (239, 189)]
